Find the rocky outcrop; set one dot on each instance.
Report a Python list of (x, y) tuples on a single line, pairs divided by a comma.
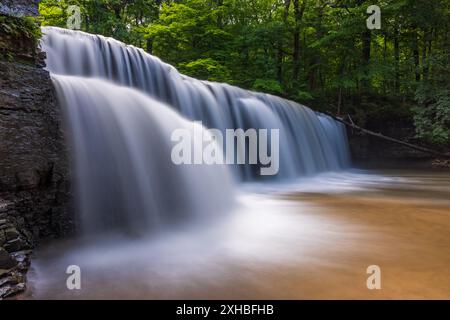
[(15, 256), (19, 8), (34, 177)]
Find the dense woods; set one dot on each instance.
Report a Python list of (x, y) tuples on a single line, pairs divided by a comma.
[(317, 52)]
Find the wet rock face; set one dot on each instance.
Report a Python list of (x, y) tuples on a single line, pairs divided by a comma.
[(19, 8), (33, 165), (14, 259), (34, 176), (31, 139), (6, 261)]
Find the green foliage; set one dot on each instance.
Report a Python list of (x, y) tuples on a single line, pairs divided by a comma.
[(206, 69), (26, 27), (433, 122), (267, 85), (53, 13), (432, 114), (314, 51), (304, 96), (121, 19), (187, 31)]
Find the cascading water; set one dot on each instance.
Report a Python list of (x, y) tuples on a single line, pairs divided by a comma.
[(117, 99), (121, 151)]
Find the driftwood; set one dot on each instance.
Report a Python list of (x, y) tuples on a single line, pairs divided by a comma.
[(352, 125)]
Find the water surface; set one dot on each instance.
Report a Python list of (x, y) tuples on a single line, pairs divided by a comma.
[(312, 239)]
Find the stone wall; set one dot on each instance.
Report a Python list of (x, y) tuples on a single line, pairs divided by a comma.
[(34, 176)]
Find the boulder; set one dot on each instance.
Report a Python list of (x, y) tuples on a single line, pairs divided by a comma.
[(19, 8), (2, 237), (11, 234), (6, 261), (15, 245)]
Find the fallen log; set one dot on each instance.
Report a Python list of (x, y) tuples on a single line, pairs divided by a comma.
[(381, 136)]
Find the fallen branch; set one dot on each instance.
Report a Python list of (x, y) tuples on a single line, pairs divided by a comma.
[(381, 136)]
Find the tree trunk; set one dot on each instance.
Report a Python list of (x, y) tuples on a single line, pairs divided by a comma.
[(385, 83), (298, 12), (280, 55), (315, 61), (150, 45), (425, 54), (381, 136), (219, 14), (287, 5), (397, 62), (339, 101), (416, 55), (366, 43), (280, 62)]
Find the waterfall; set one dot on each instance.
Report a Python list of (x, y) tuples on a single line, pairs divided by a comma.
[(121, 146), (121, 104)]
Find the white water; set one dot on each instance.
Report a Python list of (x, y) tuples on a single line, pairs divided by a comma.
[(310, 142), (120, 140), (121, 106)]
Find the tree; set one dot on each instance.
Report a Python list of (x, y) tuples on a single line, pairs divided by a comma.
[(313, 51)]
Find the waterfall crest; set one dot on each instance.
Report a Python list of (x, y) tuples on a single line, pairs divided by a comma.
[(121, 106), (309, 142)]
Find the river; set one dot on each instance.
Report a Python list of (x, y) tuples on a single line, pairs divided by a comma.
[(312, 239)]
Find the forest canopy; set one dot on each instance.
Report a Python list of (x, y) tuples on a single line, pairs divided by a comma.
[(316, 52)]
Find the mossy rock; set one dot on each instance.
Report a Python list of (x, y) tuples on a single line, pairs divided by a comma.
[(19, 38)]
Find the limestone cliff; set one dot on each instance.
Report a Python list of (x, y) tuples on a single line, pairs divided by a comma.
[(34, 184)]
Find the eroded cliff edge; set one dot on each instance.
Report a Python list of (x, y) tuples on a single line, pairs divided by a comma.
[(34, 174)]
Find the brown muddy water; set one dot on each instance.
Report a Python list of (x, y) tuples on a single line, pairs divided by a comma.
[(313, 239)]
